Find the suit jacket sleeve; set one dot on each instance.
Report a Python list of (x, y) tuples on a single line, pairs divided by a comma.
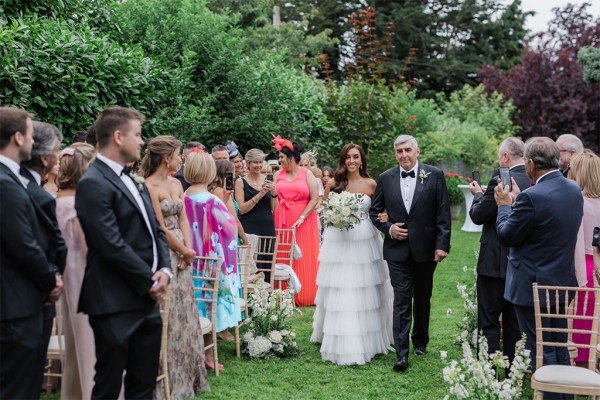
[(514, 224), (24, 249), (484, 208), (443, 219), (99, 222), (378, 206)]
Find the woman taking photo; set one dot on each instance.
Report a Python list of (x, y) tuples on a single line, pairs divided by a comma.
[(298, 195)]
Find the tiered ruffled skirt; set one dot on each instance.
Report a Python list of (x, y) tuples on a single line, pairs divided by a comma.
[(353, 316)]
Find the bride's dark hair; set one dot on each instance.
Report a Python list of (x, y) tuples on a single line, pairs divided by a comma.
[(341, 174)]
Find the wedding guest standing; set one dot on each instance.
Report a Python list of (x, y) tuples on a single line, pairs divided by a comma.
[(78, 364), (28, 278), (417, 237), (179, 174), (214, 233), (354, 284), (49, 183), (568, 145), (128, 266), (44, 155), (585, 171), (185, 347), (327, 175), (298, 194)]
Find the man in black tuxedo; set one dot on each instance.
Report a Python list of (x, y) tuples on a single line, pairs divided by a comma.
[(44, 155), (28, 279), (128, 266), (540, 226), (493, 257), (179, 175), (417, 237)]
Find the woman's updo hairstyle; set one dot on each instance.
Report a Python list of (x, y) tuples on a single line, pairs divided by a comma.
[(296, 154), (156, 149)]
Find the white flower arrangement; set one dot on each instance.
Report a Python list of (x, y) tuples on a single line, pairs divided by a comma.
[(342, 210), (269, 333), (139, 180), (483, 377)]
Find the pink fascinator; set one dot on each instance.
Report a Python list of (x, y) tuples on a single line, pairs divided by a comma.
[(279, 143), (67, 151), (197, 149)]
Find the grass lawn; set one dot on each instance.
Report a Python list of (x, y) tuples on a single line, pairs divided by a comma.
[(308, 377)]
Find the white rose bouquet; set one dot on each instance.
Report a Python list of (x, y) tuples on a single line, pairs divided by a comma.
[(342, 210), (269, 334)]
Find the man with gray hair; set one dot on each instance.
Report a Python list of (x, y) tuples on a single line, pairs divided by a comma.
[(44, 155), (417, 237), (493, 257), (540, 226), (568, 145)]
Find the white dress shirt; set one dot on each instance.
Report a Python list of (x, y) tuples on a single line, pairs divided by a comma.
[(14, 167), (408, 185), (128, 181)]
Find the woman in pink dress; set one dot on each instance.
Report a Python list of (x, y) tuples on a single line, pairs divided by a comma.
[(298, 194), (80, 357), (585, 170)]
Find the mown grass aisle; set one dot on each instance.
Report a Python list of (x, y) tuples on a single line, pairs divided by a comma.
[(308, 377)]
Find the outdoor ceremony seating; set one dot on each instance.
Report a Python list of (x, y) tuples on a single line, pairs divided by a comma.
[(265, 255), (566, 379), (56, 352), (285, 253), (205, 273), (163, 372), (244, 256)]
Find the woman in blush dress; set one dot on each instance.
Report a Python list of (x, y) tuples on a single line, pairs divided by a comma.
[(80, 356), (298, 195), (214, 233), (353, 317), (185, 347), (585, 170)]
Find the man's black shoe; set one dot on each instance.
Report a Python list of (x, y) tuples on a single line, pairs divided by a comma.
[(420, 351), (401, 365)]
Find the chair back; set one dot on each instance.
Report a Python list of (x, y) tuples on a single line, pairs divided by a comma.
[(205, 273), (562, 306), (244, 257), (163, 373), (265, 256), (285, 249)]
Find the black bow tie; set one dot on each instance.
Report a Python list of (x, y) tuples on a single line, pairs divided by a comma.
[(126, 171), (410, 173)]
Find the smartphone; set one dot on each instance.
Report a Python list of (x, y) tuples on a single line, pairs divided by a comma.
[(269, 177), (476, 177), (505, 176), (229, 180)]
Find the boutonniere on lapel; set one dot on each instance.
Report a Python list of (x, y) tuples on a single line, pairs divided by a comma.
[(139, 181), (423, 175)]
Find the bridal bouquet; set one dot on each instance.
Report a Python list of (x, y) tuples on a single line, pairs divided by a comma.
[(342, 210), (270, 333)]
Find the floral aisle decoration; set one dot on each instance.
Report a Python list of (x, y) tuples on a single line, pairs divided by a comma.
[(269, 332), (453, 179), (482, 376), (468, 293), (341, 210)]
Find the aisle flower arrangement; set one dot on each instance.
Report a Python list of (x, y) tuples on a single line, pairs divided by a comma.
[(270, 334), (341, 210)]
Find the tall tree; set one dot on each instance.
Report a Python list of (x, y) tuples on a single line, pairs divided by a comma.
[(547, 87)]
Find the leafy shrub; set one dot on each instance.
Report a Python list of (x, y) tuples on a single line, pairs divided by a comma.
[(453, 179)]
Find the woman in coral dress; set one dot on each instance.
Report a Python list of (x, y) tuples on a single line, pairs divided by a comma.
[(298, 194)]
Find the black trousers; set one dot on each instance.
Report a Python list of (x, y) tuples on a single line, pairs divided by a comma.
[(413, 285), (19, 345), (130, 342), (490, 304)]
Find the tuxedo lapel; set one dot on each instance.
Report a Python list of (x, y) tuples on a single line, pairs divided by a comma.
[(395, 177), (15, 178), (110, 175), (418, 186)]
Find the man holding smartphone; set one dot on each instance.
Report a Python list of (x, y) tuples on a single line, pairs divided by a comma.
[(493, 257)]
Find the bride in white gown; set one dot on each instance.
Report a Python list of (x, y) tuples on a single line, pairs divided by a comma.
[(353, 316)]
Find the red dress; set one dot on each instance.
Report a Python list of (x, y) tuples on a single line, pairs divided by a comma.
[(293, 197)]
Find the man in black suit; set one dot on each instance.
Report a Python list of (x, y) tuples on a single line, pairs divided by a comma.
[(540, 226), (128, 267), (493, 257), (44, 155), (179, 175), (417, 237), (568, 145), (27, 278)]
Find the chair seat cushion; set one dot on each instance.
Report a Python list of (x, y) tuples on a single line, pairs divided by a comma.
[(206, 325), (567, 375), (282, 275)]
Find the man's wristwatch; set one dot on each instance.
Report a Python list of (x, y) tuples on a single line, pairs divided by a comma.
[(167, 271)]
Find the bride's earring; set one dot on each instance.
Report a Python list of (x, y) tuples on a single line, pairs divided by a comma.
[(360, 166)]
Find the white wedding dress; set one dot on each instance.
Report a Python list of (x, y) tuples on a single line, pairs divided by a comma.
[(353, 315)]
